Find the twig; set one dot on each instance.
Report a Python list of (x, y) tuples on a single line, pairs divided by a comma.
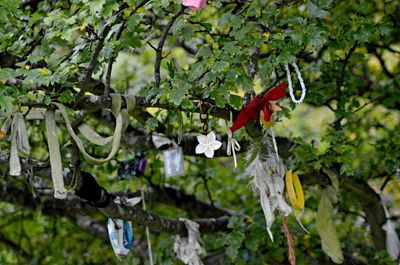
[(92, 64), (207, 189), (157, 65)]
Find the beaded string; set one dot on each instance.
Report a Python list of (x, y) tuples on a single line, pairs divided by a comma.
[(303, 87)]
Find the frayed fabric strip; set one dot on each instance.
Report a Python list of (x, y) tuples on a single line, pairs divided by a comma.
[(19, 141), (189, 249)]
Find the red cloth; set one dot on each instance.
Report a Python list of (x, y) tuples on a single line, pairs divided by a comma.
[(252, 110)]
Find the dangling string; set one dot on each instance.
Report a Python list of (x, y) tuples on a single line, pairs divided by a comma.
[(147, 232), (274, 142), (303, 87), (233, 144)]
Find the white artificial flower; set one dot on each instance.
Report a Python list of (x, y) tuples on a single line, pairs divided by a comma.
[(207, 144)]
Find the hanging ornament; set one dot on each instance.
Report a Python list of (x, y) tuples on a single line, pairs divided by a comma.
[(194, 4), (259, 104), (134, 167), (392, 239), (173, 161), (207, 142), (173, 156), (232, 145), (303, 87), (120, 234), (268, 172), (189, 249)]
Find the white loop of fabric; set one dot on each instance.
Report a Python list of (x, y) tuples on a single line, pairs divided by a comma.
[(55, 157), (290, 85), (232, 144), (189, 249)]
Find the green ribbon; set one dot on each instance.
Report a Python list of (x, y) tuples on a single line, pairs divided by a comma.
[(326, 227)]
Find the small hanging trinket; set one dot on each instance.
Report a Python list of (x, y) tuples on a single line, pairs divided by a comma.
[(173, 161), (173, 157), (208, 142), (133, 167), (303, 87)]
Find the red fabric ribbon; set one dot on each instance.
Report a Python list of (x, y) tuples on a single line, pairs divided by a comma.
[(252, 110)]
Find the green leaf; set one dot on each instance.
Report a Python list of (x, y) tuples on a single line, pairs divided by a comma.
[(178, 93), (316, 12), (6, 103)]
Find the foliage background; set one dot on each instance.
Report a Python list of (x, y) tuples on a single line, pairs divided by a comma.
[(347, 51)]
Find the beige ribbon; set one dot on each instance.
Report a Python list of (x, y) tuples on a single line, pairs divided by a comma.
[(19, 139), (55, 157)]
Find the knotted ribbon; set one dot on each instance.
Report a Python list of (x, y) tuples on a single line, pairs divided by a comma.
[(252, 110)]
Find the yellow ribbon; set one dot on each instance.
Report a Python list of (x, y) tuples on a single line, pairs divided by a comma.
[(292, 184)]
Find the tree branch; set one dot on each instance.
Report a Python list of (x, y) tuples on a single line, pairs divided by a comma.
[(157, 75)]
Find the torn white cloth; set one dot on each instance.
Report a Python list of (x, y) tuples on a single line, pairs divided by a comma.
[(160, 140), (392, 239), (189, 249), (19, 139), (268, 180)]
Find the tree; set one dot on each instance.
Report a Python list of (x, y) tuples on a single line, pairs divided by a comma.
[(187, 72)]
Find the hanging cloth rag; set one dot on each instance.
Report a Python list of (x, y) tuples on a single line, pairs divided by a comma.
[(189, 249), (18, 137), (89, 133), (120, 234), (55, 156), (268, 172), (392, 239)]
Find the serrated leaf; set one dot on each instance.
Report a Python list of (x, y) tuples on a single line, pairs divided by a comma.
[(178, 93)]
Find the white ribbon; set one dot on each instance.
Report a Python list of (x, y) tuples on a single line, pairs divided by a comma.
[(232, 145), (392, 239), (303, 87)]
